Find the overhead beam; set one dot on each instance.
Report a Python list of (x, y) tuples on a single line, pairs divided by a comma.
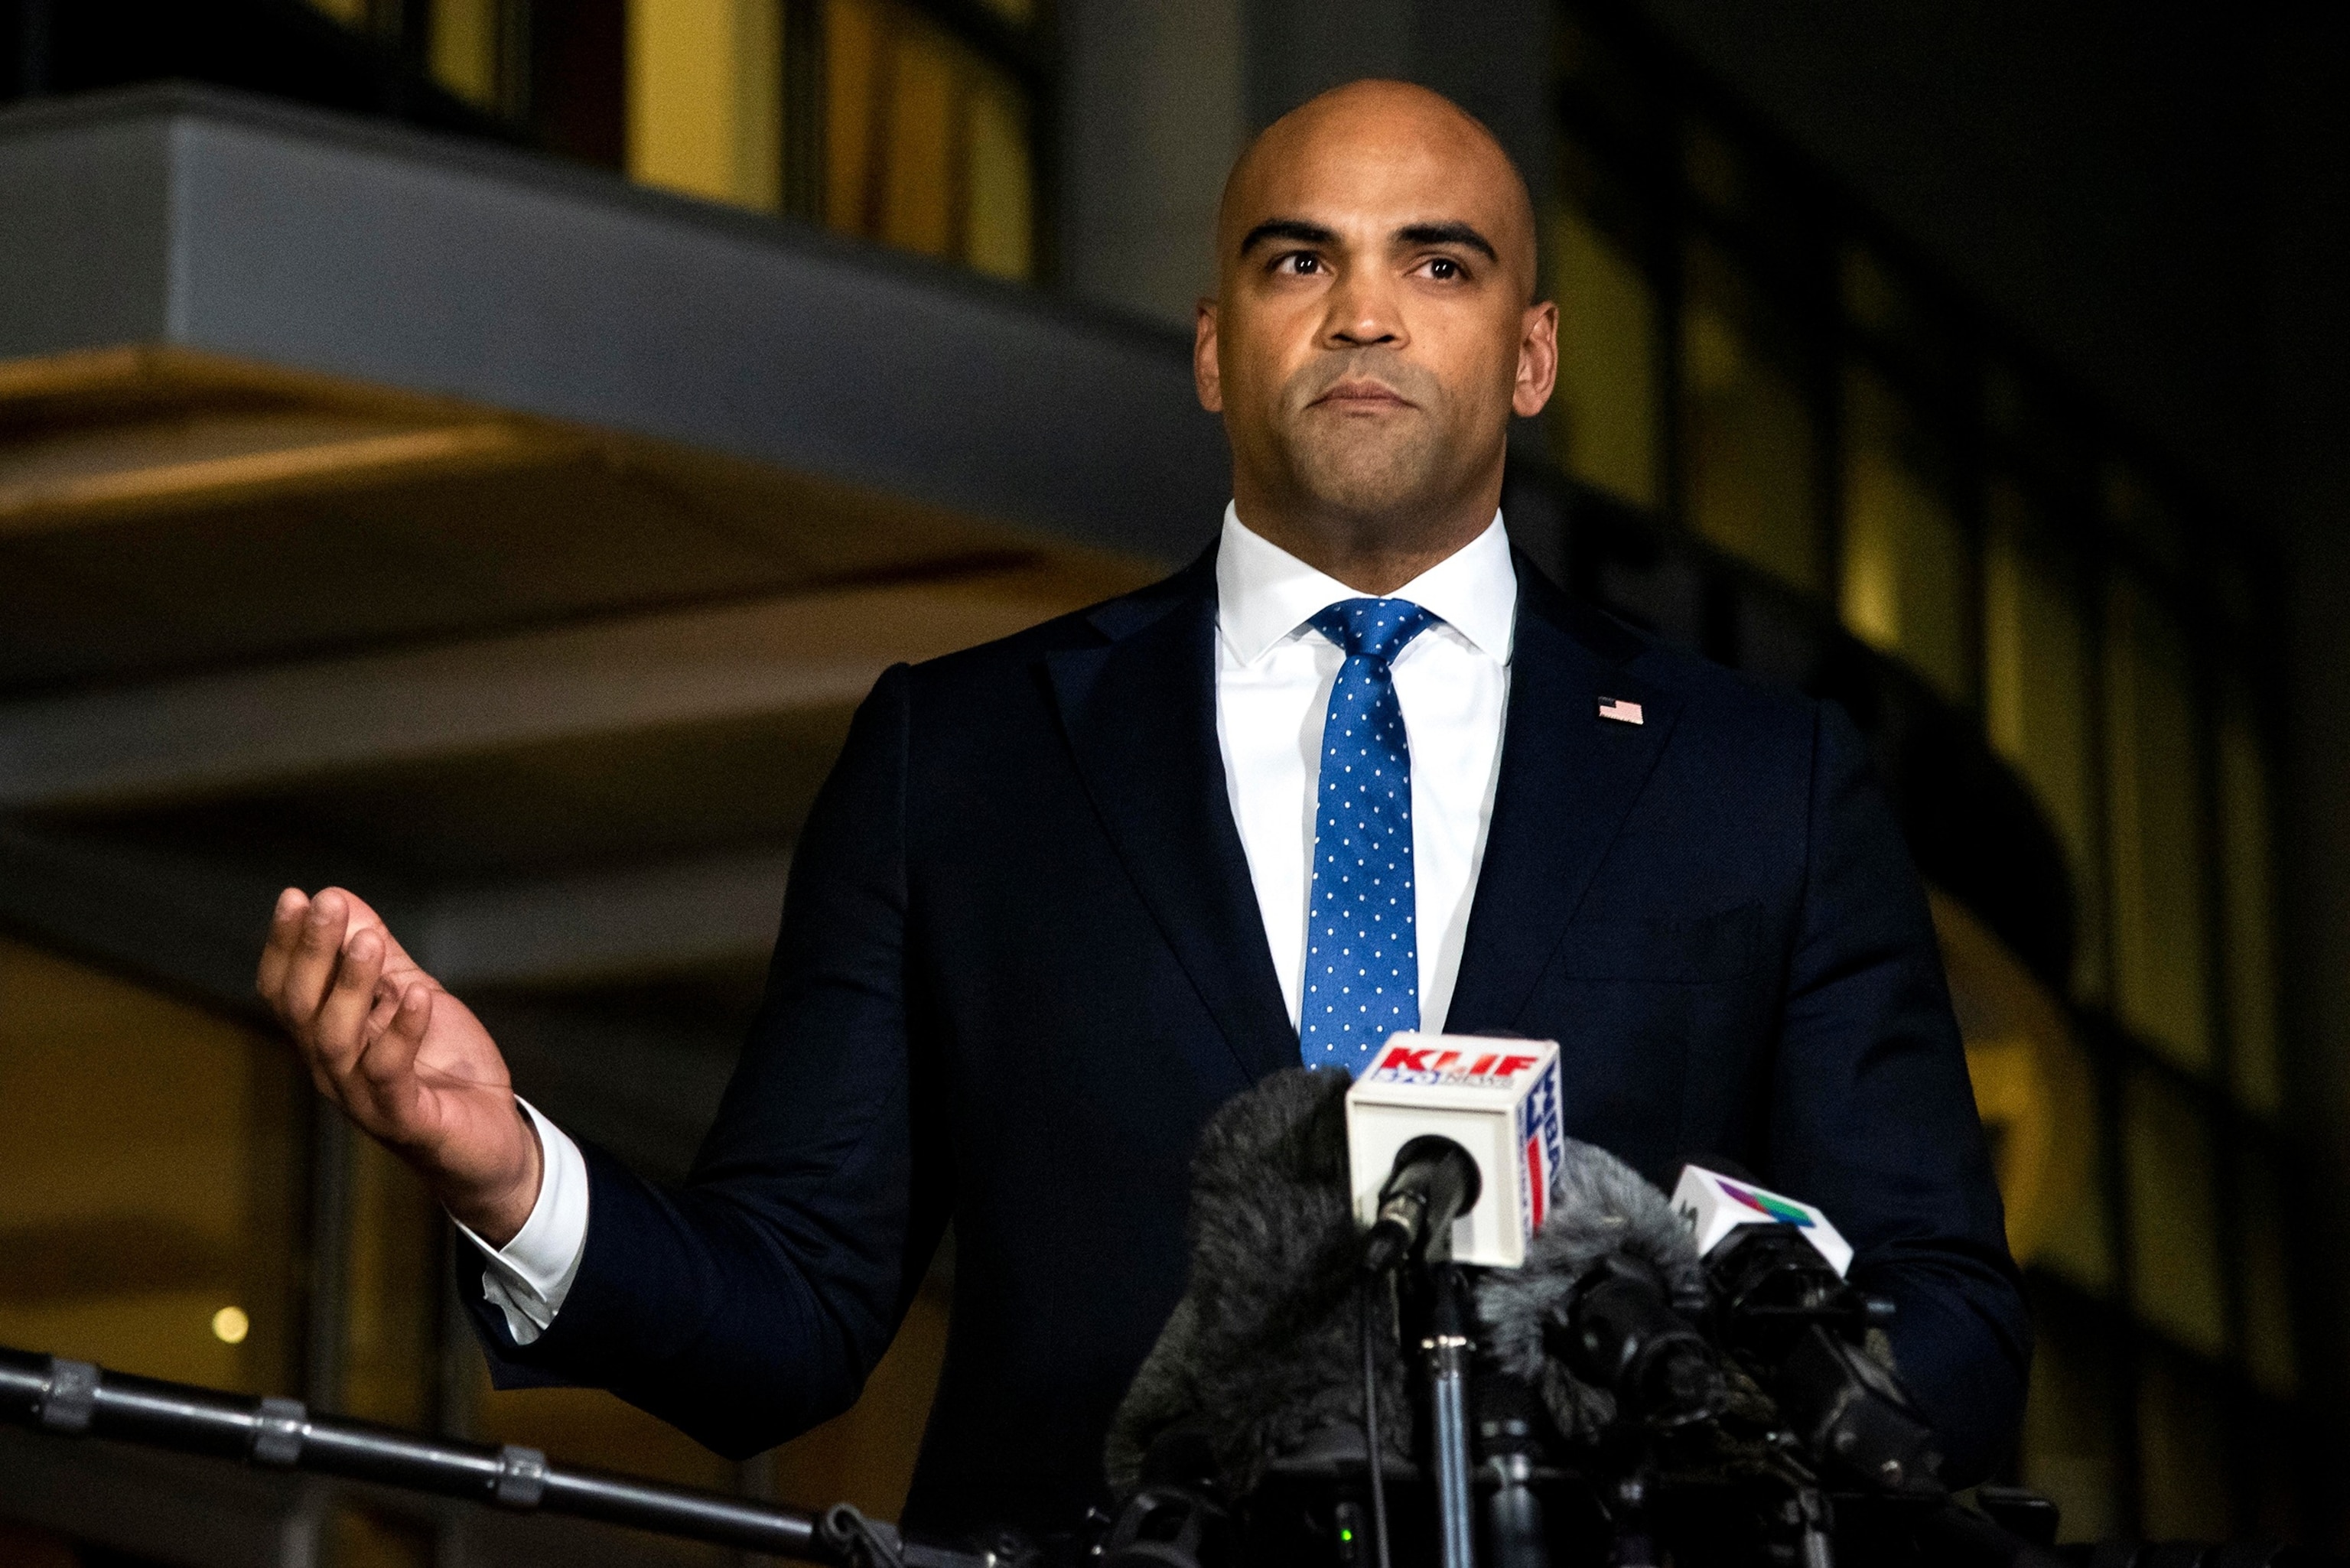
[(221, 735), (255, 230)]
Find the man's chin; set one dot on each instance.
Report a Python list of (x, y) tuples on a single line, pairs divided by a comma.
[(1369, 480)]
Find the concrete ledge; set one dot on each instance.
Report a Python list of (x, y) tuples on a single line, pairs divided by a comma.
[(243, 227)]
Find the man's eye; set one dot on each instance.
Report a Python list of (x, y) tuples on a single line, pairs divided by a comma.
[(1300, 263), (1443, 268)]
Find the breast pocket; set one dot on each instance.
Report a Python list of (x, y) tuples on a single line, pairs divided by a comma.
[(1701, 951)]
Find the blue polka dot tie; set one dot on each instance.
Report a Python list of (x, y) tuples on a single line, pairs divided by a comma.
[(1362, 954)]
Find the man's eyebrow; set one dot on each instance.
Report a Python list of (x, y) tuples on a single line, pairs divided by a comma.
[(1447, 235), (1296, 228)]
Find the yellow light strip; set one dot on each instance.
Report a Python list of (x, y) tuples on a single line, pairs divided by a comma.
[(368, 459)]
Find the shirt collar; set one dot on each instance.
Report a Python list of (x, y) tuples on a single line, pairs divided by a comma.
[(1264, 593)]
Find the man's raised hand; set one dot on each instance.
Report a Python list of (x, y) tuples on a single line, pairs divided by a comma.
[(404, 1059)]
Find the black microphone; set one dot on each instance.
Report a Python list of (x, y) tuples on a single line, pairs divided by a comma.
[(1784, 1309), (1600, 1319), (1434, 1182), (1262, 1356)]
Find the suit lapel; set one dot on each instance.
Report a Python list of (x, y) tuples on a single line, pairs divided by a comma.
[(1569, 779), (1140, 714)]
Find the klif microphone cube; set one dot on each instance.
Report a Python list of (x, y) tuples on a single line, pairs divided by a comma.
[(1498, 1099), (1714, 1206)]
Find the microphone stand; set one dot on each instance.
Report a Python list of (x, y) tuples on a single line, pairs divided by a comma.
[(1448, 1348), (74, 1398)]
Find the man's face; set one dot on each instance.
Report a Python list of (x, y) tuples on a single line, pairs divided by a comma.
[(1373, 335)]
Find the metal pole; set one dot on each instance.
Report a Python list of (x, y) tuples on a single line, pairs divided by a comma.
[(1448, 1365), (74, 1398)]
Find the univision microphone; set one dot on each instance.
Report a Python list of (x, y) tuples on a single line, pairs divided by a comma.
[(1775, 1267)]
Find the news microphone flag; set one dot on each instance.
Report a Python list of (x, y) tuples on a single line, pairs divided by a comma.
[(1498, 1099), (1713, 1206)]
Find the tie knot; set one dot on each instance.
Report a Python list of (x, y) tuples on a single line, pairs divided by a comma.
[(1372, 629)]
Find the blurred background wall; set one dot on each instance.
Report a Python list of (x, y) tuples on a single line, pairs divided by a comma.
[(479, 450)]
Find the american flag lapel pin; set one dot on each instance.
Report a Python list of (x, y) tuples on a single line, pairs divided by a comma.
[(1622, 710)]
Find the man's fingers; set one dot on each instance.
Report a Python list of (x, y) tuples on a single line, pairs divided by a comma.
[(277, 952), (337, 1033), (362, 916), (387, 1064), (317, 948)]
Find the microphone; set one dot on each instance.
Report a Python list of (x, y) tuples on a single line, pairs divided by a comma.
[(1496, 1102), (1261, 1357), (1783, 1306), (1449, 1119), (1714, 1206), (1600, 1318), (1434, 1182)]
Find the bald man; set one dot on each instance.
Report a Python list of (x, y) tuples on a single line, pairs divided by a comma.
[(1357, 769)]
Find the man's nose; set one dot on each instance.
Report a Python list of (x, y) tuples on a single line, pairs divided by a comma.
[(1363, 313)]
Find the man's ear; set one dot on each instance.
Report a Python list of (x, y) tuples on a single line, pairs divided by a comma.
[(1206, 374), (1538, 358)]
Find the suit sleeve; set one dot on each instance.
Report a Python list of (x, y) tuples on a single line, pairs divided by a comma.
[(749, 1304), (1873, 1117)]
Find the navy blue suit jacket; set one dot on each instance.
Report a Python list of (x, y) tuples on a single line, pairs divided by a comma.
[(1021, 962)]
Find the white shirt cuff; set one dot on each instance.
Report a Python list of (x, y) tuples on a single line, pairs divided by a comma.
[(527, 1279)]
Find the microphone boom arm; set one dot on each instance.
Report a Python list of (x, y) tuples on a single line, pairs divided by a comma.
[(74, 1398)]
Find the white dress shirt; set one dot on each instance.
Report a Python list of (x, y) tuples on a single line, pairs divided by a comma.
[(1273, 677)]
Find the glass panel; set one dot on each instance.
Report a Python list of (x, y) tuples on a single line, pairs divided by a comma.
[(578, 62), (2076, 1242), (2141, 516), (2037, 1095), (705, 99), (928, 147), (2248, 895), (1873, 298), (1746, 431), (1604, 413), (393, 1323), (2161, 967), (149, 1180), (2267, 1280), (2067, 1449), (1908, 579), (852, 47), (1713, 167), (2036, 662), (2182, 1454), (1891, 309), (465, 42), (918, 193), (2175, 1277), (1001, 221)]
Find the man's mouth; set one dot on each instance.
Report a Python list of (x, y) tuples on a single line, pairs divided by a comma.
[(1359, 395)]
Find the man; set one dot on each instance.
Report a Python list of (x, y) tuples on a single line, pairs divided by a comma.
[(1358, 769)]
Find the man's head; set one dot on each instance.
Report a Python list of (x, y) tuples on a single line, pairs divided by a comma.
[(1376, 328)]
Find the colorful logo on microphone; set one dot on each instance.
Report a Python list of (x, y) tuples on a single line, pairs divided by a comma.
[(1764, 1203)]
